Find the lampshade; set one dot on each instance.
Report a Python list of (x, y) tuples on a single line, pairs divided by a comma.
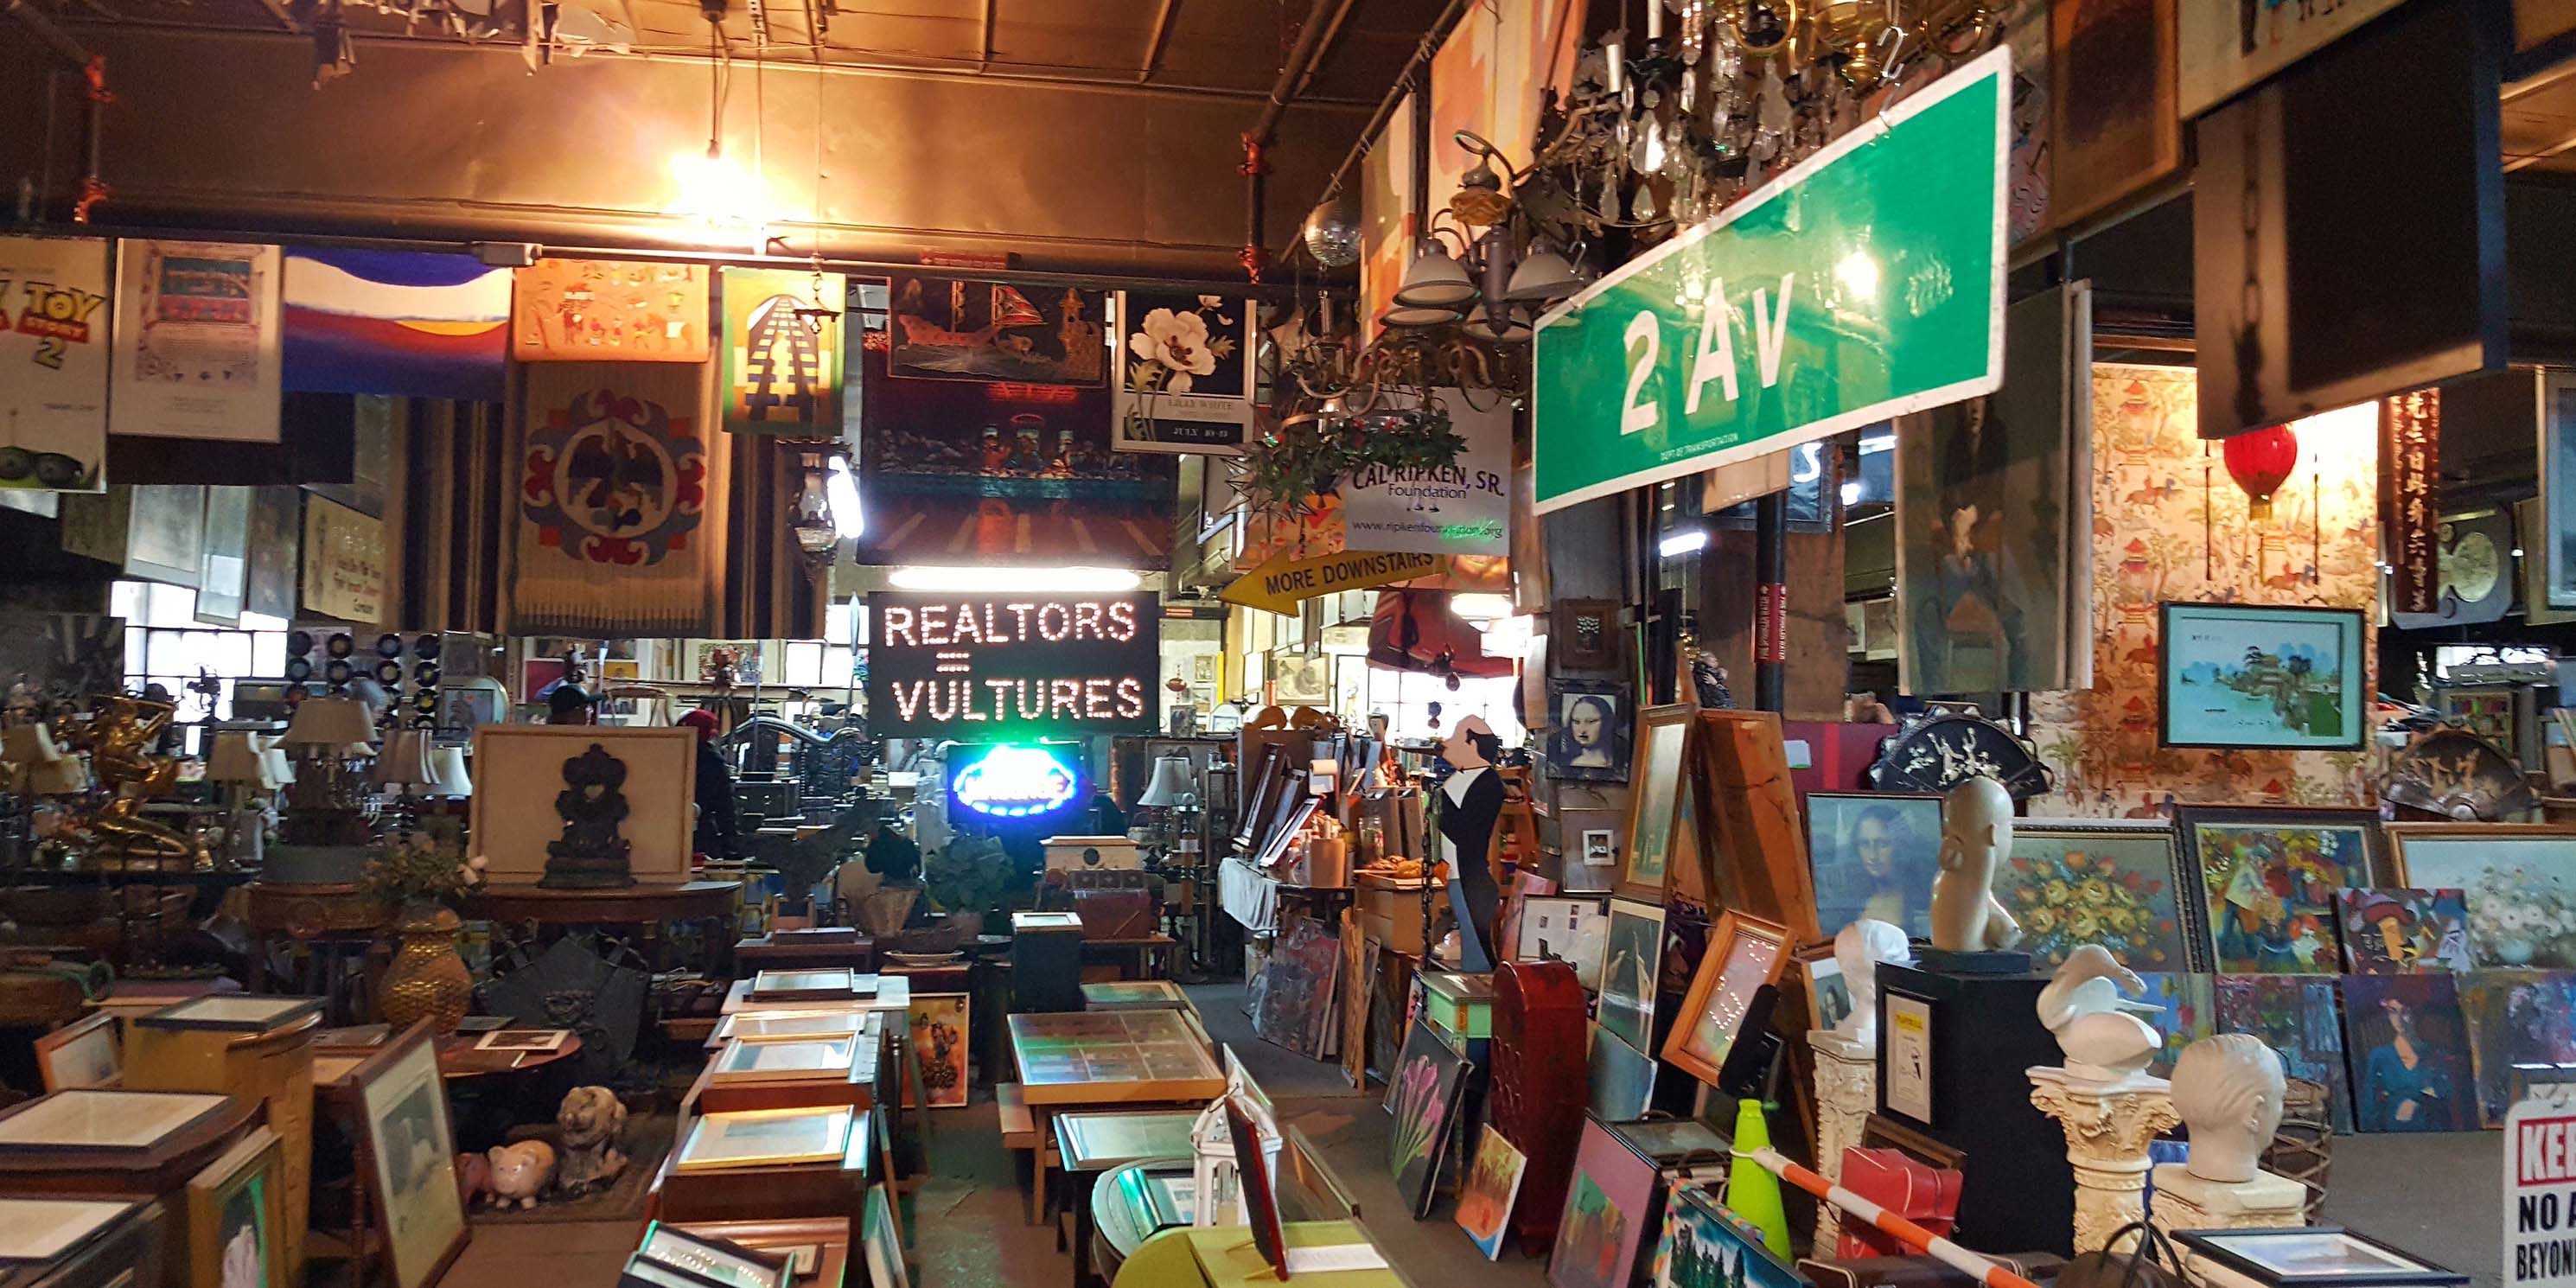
[(1435, 281), (1543, 278), (235, 759), (281, 771), (404, 759), (330, 723), (1171, 782), (447, 765)]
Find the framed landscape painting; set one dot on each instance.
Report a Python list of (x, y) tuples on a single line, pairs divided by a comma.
[(2272, 878), (2237, 675)]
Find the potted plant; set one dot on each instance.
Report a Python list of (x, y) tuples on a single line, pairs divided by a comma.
[(965, 881), (417, 877)]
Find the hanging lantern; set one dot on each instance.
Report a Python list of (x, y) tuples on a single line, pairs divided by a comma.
[(2261, 462)]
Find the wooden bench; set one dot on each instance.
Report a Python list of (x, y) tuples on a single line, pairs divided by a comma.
[(1023, 1137)]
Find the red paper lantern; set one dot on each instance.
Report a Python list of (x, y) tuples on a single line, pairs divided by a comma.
[(2261, 462)]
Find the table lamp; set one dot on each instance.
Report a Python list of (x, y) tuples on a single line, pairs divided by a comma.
[(1171, 785), (403, 765), (237, 761), (325, 830)]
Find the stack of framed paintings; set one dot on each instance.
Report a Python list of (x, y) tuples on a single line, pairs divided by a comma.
[(1430, 1080)]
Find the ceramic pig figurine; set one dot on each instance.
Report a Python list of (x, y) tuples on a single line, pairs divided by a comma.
[(520, 1172), (473, 1179)]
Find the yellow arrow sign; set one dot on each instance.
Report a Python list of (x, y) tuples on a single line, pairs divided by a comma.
[(1281, 584)]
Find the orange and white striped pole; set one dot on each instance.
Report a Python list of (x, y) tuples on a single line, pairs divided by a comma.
[(1906, 1232)]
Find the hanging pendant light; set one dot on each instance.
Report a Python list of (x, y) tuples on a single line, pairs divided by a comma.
[(2261, 462)]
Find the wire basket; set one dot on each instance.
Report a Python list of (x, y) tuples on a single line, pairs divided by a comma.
[(2303, 1148)]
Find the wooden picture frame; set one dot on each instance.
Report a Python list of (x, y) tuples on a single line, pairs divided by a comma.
[(84, 1053), (241, 1195), (1748, 809), (2210, 936), (408, 1159), (1658, 759), (1584, 635), (1744, 953), (518, 773), (2489, 950), (1256, 793)]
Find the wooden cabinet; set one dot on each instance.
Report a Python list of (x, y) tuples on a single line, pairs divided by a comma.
[(274, 1067)]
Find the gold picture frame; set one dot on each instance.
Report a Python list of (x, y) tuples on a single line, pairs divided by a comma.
[(768, 1138), (1658, 759), (1744, 953), (237, 1216)]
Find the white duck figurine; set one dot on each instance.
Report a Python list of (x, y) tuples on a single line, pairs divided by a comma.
[(2102, 1040)]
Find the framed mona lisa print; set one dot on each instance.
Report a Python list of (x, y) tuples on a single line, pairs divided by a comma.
[(1590, 741), (1873, 854)]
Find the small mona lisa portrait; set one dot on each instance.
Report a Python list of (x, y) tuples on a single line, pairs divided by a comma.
[(1592, 735)]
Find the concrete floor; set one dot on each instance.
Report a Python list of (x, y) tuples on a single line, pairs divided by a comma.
[(2439, 1196)]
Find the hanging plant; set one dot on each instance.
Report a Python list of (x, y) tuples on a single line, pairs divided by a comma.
[(1302, 458)]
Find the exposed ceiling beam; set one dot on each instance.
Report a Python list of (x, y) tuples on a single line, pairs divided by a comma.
[(984, 58), (1154, 42)]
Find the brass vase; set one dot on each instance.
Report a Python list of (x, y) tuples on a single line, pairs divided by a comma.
[(428, 979)]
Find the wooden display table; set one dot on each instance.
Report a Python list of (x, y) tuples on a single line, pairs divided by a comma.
[(274, 1067), (1228, 1259), (834, 1194), (890, 993), (636, 905), (791, 950), (158, 1168)]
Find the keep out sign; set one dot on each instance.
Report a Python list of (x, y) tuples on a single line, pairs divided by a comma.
[(2540, 1189)]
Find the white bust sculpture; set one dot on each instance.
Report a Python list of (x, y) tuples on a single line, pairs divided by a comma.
[(2082, 1005), (1859, 949), (2228, 1090), (1976, 838)]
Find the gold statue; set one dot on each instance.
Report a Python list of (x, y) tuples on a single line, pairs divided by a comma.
[(119, 736)]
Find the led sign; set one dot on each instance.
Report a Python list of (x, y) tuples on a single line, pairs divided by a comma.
[(1016, 782), (982, 666)]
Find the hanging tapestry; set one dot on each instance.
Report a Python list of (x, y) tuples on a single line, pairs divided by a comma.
[(615, 480), (396, 322), (585, 310), (196, 341), (782, 352), (2169, 527), (53, 364)]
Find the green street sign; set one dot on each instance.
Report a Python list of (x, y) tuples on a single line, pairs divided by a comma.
[(1865, 282)]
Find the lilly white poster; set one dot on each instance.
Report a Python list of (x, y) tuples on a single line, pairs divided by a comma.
[(1464, 509), (1185, 372), (197, 341), (53, 364)]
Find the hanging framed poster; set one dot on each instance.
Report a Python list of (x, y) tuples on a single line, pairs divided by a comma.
[(782, 351), (53, 396), (581, 310), (223, 580), (1387, 216), (165, 533), (1463, 508), (1184, 372), (2224, 47), (344, 562), (396, 322), (276, 542), (2111, 103), (954, 329), (196, 341), (2558, 485)]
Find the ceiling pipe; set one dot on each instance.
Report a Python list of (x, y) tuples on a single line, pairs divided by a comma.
[(43, 29), (1405, 83), (1321, 25)]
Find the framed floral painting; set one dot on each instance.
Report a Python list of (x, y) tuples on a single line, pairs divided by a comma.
[(2518, 880), (2113, 884), (2270, 881)]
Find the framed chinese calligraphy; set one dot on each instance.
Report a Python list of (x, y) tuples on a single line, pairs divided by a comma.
[(2410, 428)]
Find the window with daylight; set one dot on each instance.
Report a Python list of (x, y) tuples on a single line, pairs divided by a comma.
[(167, 646)]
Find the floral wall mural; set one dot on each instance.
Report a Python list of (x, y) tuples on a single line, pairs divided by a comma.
[(2168, 524)]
